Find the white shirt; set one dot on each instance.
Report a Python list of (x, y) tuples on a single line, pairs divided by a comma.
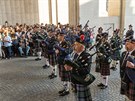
[(7, 44)]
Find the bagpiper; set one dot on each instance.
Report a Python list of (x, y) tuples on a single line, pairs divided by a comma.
[(50, 43), (127, 73), (130, 32), (63, 53), (83, 60), (97, 44), (104, 60), (116, 46)]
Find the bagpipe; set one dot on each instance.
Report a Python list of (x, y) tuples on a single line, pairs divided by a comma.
[(86, 25), (102, 53), (38, 37), (107, 30), (83, 79)]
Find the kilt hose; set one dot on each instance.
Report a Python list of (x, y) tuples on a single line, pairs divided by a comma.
[(131, 91), (64, 75), (83, 93), (105, 69), (52, 59)]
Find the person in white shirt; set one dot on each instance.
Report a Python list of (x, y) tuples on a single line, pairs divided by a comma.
[(7, 43)]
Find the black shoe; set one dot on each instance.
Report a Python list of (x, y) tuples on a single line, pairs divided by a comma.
[(113, 68), (26, 56), (37, 59), (45, 66), (64, 93), (104, 87), (50, 76), (100, 85), (53, 76), (61, 91)]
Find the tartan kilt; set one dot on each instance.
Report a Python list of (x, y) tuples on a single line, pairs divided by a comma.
[(45, 53), (38, 49), (105, 69), (83, 93), (64, 75), (52, 59), (131, 91)]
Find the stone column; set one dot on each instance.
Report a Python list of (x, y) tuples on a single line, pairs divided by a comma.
[(56, 11), (122, 16), (50, 11), (73, 12)]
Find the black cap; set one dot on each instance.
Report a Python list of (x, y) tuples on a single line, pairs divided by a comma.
[(62, 33), (105, 34), (132, 40), (130, 25), (116, 31), (100, 28)]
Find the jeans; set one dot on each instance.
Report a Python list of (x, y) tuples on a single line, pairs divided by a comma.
[(24, 50), (8, 51), (0, 51)]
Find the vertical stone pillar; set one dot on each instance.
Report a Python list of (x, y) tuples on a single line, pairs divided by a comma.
[(122, 16), (73, 12), (22, 11), (56, 11), (50, 11)]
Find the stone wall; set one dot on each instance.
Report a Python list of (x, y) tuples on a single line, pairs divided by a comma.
[(21, 11), (89, 10)]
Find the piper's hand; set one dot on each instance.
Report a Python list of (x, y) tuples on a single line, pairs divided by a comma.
[(100, 54), (130, 64), (56, 51), (68, 68)]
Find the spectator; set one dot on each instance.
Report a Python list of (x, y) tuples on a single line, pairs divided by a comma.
[(23, 45), (7, 43)]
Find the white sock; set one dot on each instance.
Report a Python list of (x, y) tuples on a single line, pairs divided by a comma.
[(52, 69), (39, 55), (105, 79), (114, 63), (102, 80), (68, 86), (46, 62), (55, 71)]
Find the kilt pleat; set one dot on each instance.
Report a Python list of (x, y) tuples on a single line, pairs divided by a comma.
[(64, 75), (105, 69), (52, 59), (83, 93), (131, 92)]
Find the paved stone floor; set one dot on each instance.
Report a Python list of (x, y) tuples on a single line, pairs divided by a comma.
[(23, 79)]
